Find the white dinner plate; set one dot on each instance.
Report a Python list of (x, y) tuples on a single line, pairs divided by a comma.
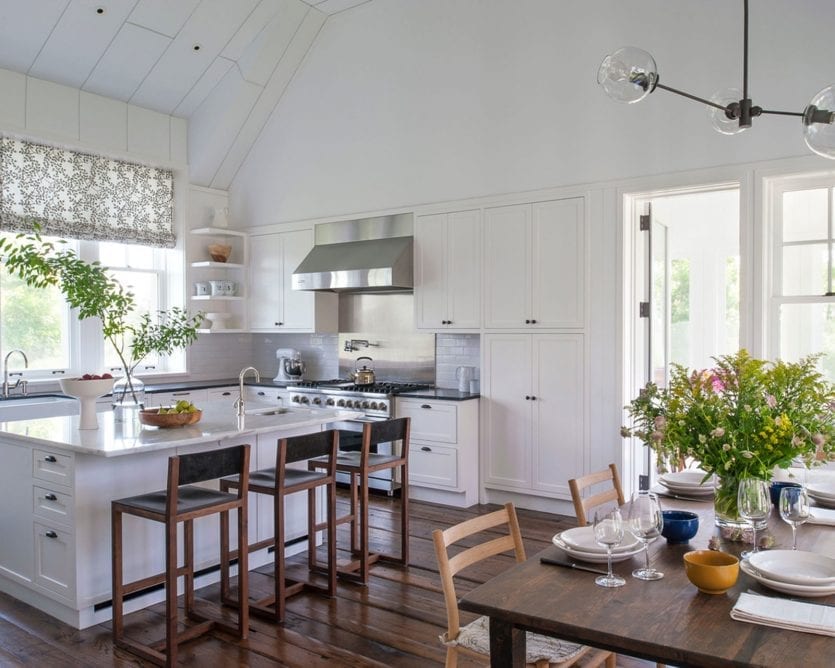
[(823, 502), (687, 478), (688, 490), (786, 587), (594, 557), (823, 490), (582, 538), (795, 567)]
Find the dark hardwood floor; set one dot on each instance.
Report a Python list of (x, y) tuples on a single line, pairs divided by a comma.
[(395, 621)]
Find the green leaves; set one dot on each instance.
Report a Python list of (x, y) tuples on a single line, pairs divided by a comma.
[(88, 287)]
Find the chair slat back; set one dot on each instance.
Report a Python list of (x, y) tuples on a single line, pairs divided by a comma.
[(582, 505), (200, 466)]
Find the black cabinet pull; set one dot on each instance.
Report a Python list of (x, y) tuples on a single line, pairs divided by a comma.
[(426, 448), (50, 458), (50, 497), (260, 394), (51, 534), (425, 406), (279, 324), (226, 394)]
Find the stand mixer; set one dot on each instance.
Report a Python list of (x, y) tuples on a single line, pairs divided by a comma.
[(290, 365)]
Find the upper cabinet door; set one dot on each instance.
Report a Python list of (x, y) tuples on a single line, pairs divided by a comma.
[(448, 271), (298, 304), (265, 282), (507, 267), (464, 270), (430, 271), (558, 266)]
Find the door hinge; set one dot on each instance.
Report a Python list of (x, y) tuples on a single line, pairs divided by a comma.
[(643, 310), (643, 223)]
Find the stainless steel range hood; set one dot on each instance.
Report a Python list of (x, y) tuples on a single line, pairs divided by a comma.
[(364, 255)]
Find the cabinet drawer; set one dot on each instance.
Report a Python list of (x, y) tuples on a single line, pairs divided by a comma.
[(170, 398), (53, 466), (431, 420), (55, 560), (433, 465), (222, 393), (51, 505)]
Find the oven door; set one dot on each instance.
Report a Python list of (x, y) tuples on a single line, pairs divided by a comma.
[(350, 440)]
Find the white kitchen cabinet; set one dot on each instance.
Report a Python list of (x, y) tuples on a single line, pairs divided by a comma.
[(170, 398), (536, 254), (448, 271), (273, 304), (534, 414), (443, 449)]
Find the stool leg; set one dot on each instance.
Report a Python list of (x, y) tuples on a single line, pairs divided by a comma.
[(243, 570), (188, 548), (364, 565), (311, 529), (116, 556), (280, 583), (404, 514), (224, 557), (331, 520), (171, 594), (354, 510)]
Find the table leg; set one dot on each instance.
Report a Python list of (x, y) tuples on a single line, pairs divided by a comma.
[(507, 645)]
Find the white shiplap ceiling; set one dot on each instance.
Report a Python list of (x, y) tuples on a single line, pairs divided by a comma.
[(165, 55)]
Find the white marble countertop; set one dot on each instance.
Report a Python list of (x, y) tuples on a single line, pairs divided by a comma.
[(113, 438)]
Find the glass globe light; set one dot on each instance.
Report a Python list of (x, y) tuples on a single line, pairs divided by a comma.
[(718, 118), (818, 126), (628, 75)]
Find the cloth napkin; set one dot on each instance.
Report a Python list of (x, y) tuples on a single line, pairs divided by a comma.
[(783, 613), (818, 515)]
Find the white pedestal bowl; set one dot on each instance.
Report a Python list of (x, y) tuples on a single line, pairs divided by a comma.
[(87, 391)]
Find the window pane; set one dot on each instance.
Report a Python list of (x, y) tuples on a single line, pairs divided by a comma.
[(804, 269), (732, 304), (126, 255), (805, 215), (680, 311), (145, 289), (806, 329)]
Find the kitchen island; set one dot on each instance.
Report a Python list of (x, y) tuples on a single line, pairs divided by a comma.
[(58, 481)]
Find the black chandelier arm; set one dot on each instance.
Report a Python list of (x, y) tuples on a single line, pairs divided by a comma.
[(782, 113), (710, 103)]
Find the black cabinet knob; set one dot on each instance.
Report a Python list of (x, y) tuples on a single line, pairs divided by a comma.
[(50, 497), (426, 448), (533, 322), (51, 534), (50, 458), (425, 406), (527, 397), (527, 322)]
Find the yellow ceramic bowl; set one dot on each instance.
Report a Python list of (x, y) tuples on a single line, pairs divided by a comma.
[(711, 571)]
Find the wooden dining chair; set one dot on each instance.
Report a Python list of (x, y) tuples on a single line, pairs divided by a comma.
[(473, 639), (582, 505)]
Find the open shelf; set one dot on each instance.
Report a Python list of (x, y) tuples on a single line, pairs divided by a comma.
[(217, 231), (217, 265), (207, 298)]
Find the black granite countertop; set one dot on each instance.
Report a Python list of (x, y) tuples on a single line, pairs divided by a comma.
[(207, 384), (440, 393)]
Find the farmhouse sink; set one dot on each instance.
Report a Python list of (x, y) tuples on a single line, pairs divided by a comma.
[(45, 405)]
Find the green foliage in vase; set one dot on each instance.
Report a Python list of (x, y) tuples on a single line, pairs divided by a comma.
[(88, 287), (739, 419)]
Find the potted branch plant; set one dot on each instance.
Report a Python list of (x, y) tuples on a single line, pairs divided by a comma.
[(88, 287)]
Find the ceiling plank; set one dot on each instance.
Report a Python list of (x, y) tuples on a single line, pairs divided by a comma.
[(200, 91), (249, 30), (24, 27), (127, 61), (79, 39), (166, 18), (261, 57)]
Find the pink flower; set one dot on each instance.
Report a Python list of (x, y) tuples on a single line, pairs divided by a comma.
[(770, 401), (817, 439), (660, 422), (656, 436), (718, 432), (717, 384)]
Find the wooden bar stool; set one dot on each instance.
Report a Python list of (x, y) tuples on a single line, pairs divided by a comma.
[(279, 482), (359, 465), (182, 502)]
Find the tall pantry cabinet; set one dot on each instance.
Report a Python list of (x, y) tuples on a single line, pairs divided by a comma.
[(533, 376)]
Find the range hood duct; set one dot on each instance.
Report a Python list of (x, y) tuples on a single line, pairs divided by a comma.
[(364, 255)]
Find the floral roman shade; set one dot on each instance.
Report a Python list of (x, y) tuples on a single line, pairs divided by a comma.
[(81, 196)]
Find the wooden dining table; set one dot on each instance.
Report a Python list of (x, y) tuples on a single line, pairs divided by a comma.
[(668, 620)]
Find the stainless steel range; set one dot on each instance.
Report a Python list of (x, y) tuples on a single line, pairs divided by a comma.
[(376, 401)]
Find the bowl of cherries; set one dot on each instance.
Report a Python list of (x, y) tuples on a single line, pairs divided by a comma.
[(87, 389)]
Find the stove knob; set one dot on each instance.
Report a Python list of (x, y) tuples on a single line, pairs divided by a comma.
[(329, 402), (365, 404), (295, 399), (317, 401), (341, 402), (305, 400), (373, 405)]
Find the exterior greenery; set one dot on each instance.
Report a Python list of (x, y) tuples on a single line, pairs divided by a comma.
[(88, 287)]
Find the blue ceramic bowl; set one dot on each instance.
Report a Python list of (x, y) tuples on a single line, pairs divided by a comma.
[(679, 526), (777, 486)]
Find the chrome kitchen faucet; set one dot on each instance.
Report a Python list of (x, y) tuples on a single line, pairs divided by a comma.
[(20, 381)]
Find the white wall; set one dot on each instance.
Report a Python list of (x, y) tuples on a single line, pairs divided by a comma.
[(401, 102)]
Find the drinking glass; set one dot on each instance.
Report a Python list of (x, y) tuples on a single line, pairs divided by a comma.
[(645, 522), (794, 509), (753, 504), (608, 532)]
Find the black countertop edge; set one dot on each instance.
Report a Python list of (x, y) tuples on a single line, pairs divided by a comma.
[(440, 393)]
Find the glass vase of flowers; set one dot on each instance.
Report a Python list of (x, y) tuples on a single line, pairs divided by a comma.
[(739, 419)]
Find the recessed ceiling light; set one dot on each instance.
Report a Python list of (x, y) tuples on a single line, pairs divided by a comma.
[(99, 10), (196, 47)]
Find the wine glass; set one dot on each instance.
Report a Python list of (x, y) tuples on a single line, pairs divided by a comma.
[(608, 532), (645, 521), (753, 504), (794, 509)]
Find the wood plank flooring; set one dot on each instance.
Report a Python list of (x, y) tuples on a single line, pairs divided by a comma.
[(395, 621)]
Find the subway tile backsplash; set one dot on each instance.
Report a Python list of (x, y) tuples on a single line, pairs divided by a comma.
[(224, 355)]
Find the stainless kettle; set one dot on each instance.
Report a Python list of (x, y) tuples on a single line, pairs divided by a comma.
[(364, 375)]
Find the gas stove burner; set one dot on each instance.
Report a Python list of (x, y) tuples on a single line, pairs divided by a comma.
[(383, 387), (321, 383)]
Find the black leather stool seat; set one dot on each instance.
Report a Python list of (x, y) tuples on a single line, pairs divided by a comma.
[(190, 498), (266, 478)]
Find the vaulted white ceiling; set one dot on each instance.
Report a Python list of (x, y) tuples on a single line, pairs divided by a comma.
[(219, 63)]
